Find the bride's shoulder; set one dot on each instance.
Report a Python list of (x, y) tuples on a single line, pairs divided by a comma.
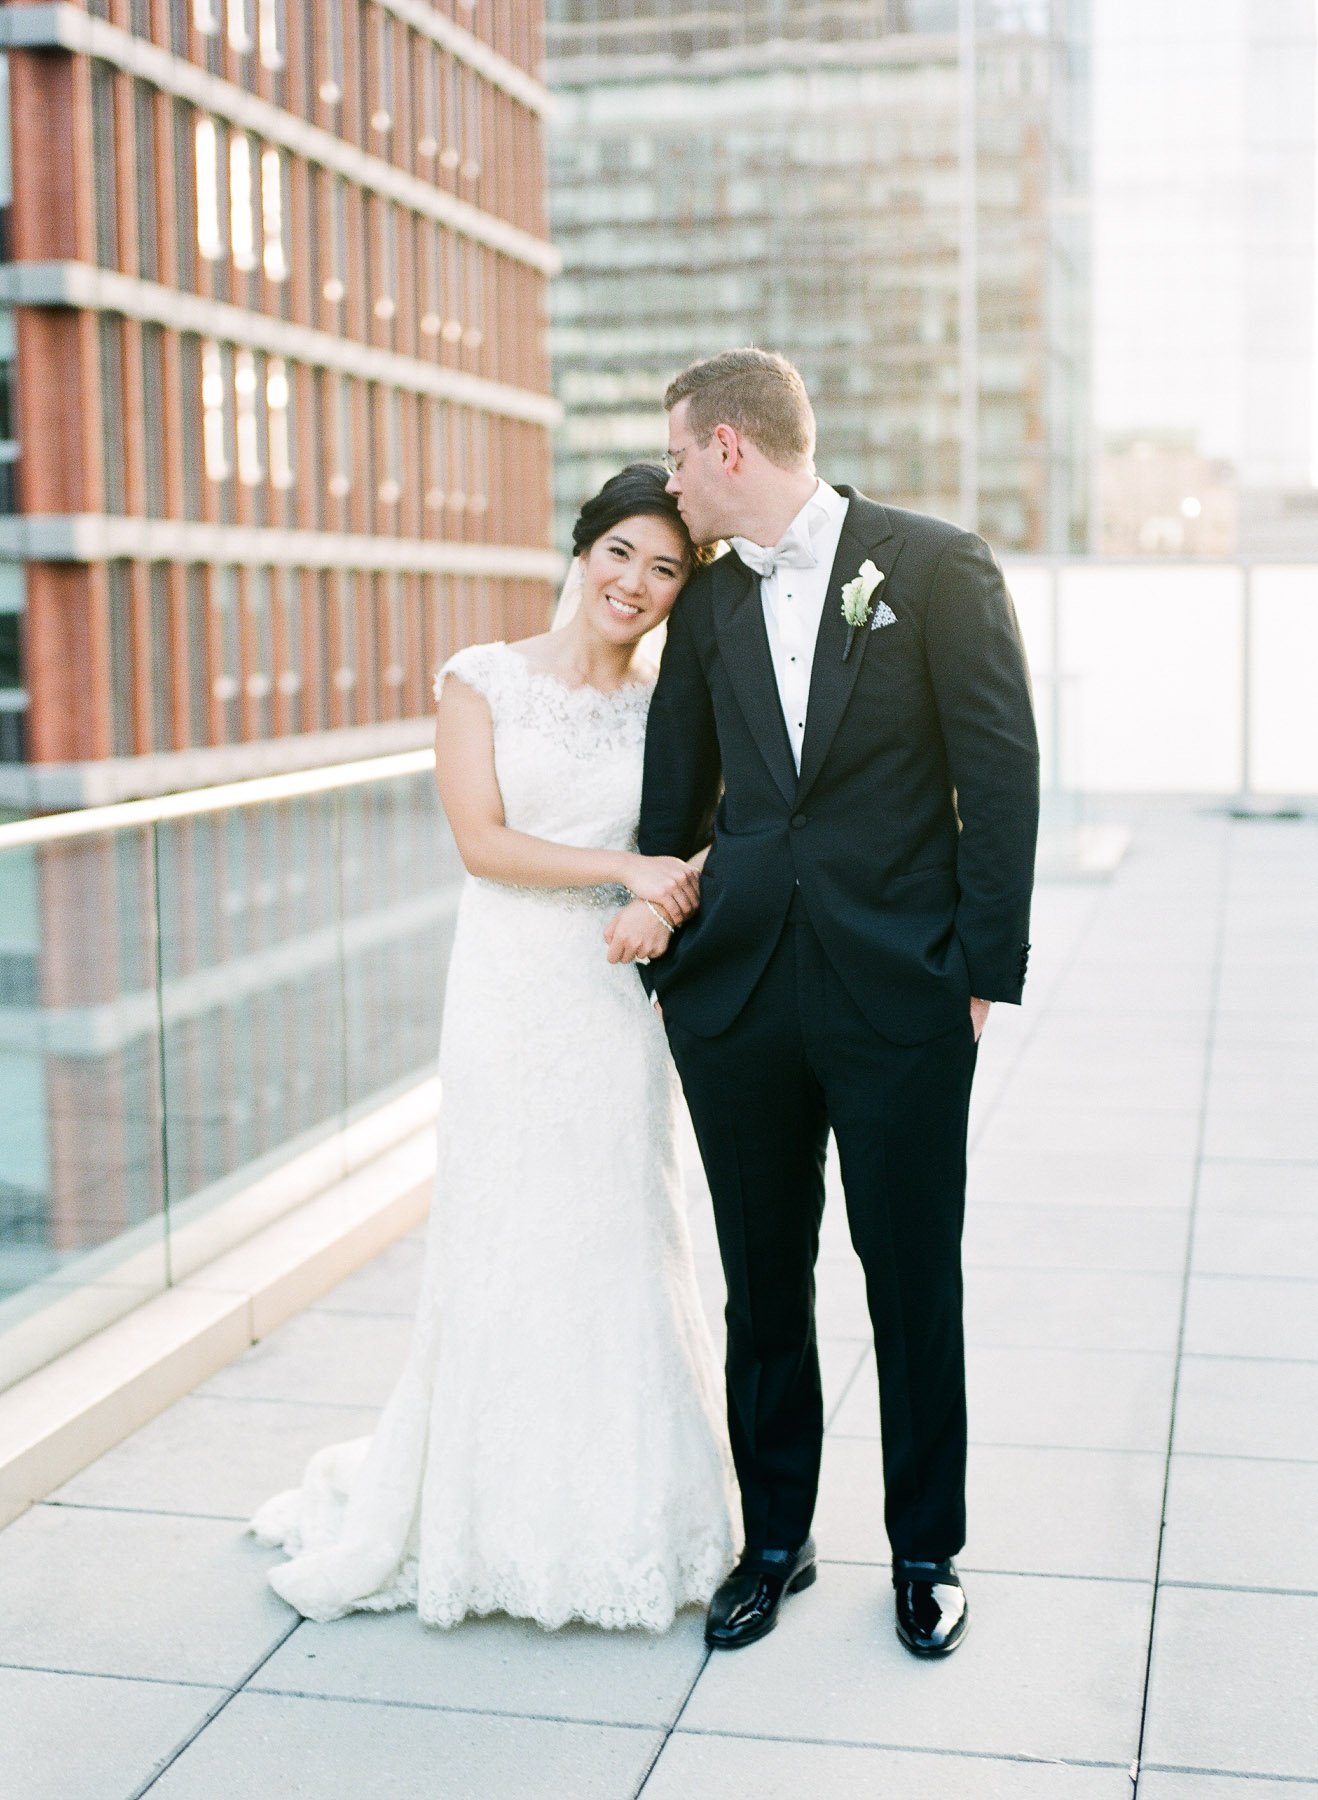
[(484, 667)]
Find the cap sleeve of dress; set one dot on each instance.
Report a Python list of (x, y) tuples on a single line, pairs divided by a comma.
[(479, 666)]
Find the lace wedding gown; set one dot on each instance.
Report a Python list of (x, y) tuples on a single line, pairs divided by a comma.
[(555, 1446)]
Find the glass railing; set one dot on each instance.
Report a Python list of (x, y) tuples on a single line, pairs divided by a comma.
[(202, 997), (1172, 677), (194, 993)]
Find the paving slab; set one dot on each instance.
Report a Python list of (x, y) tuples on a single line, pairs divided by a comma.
[(339, 1359), (1230, 1316), (89, 1737), (1067, 1178), (1024, 1129), (1072, 1309), (1164, 1081), (1242, 1524), (214, 1456), (1156, 1784), (1047, 1512), (1225, 1690), (1235, 1407), (694, 1765), (495, 1665), (1143, 1239), (1049, 1668), (268, 1745), (143, 1594), (1075, 1399), (1243, 1185), (1264, 1243)]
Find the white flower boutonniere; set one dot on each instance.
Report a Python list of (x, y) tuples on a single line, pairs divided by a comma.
[(856, 594), (856, 597)]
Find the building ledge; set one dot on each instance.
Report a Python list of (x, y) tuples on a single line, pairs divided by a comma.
[(70, 786)]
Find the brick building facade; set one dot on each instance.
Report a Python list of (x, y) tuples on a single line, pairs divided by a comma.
[(274, 401)]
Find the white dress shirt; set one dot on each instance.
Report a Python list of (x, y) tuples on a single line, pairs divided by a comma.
[(793, 593)]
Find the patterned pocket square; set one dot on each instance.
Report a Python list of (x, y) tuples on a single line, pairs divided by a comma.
[(883, 615)]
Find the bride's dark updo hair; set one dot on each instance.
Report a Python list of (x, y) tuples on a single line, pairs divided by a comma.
[(639, 488)]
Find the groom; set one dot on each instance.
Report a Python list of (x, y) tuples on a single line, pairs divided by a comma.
[(844, 709)]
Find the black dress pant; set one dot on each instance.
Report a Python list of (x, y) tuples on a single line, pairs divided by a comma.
[(801, 1058)]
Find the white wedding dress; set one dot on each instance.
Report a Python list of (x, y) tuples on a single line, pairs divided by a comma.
[(555, 1447)]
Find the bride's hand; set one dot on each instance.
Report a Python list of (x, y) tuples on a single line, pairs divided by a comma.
[(665, 881), (635, 934)]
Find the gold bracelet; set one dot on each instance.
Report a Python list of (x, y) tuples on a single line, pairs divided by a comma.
[(662, 917)]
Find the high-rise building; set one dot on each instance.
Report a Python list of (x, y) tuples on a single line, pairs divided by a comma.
[(894, 193), (1206, 246), (274, 398)]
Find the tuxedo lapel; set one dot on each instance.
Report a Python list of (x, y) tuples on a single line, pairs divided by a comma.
[(744, 646), (866, 532)]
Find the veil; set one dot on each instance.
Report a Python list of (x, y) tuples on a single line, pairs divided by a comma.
[(570, 598)]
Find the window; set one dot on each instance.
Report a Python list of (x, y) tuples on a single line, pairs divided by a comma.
[(260, 682), (431, 321), (121, 666), (6, 173), (391, 489), (278, 399), (214, 431), (272, 215), (386, 260), (290, 676), (153, 418), (436, 465), (8, 414), (185, 195), (112, 412), (225, 684), (382, 114), (271, 26), (247, 424), (334, 288), (161, 661), (198, 693), (340, 480), (107, 234), (209, 241), (144, 134), (242, 228), (427, 143), (240, 25), (331, 86)]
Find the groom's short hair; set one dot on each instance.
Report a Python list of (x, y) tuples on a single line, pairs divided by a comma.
[(758, 393)]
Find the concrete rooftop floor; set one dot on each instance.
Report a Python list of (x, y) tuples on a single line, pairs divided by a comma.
[(1142, 1303)]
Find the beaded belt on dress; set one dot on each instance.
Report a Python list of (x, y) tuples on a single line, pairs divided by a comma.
[(570, 899)]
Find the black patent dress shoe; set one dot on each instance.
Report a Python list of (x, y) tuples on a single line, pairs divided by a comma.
[(932, 1610), (746, 1606)]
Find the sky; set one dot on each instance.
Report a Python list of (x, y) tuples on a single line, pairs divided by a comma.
[(1204, 226)]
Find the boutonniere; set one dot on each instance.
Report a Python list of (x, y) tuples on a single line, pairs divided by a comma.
[(856, 597)]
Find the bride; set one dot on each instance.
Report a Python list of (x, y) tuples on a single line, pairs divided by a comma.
[(555, 1447)]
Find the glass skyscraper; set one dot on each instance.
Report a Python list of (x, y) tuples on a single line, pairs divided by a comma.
[(894, 195)]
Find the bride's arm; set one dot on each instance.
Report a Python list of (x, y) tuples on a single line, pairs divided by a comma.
[(469, 792)]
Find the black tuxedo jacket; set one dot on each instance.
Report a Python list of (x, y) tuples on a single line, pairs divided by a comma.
[(911, 827)]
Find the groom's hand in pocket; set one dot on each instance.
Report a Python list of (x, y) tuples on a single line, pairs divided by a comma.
[(635, 932)]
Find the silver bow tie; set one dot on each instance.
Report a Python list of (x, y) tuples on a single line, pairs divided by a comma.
[(788, 553)]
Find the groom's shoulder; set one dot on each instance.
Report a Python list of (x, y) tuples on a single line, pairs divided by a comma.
[(926, 529), (707, 583)]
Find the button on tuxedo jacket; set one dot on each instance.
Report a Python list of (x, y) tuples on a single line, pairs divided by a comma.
[(911, 827)]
